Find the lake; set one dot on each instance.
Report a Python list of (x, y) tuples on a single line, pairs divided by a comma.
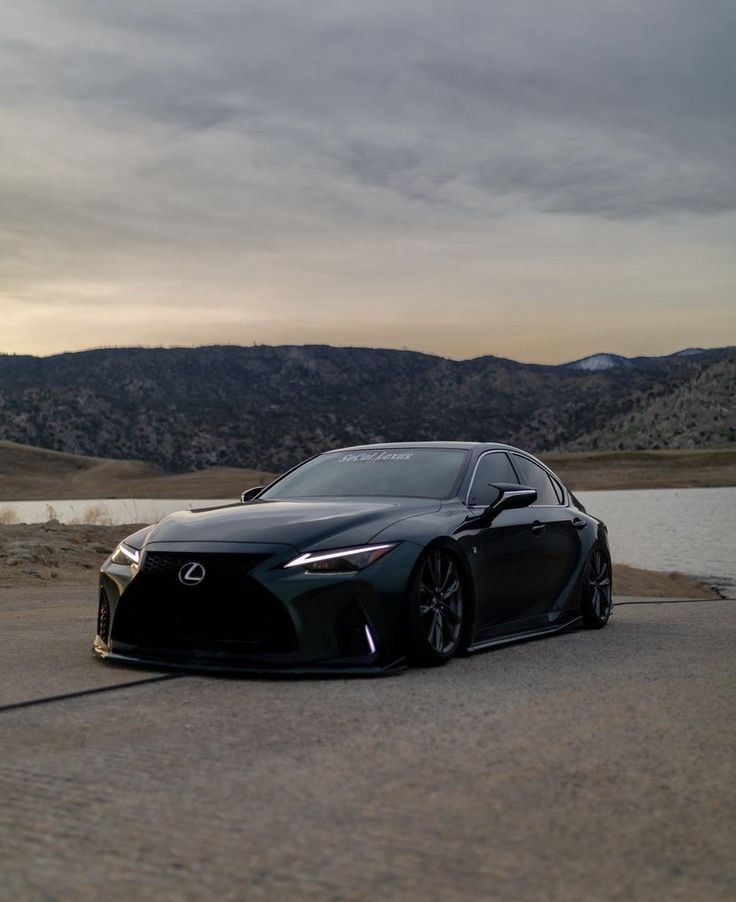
[(691, 530)]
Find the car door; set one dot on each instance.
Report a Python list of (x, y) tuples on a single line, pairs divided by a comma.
[(504, 555), (557, 537)]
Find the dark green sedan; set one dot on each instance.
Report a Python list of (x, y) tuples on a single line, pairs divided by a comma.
[(362, 559)]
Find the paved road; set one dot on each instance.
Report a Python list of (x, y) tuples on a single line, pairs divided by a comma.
[(591, 766)]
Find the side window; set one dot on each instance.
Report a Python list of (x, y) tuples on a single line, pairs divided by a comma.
[(492, 468), (558, 491), (534, 476)]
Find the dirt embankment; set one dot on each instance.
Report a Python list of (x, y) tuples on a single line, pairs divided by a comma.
[(52, 552), (655, 584)]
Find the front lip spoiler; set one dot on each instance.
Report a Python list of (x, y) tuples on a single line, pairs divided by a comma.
[(317, 669)]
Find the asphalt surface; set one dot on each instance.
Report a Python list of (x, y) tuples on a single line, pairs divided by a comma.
[(590, 765)]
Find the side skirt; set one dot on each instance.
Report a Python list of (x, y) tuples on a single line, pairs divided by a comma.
[(518, 637)]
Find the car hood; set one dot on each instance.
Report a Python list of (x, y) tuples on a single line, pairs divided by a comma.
[(302, 524)]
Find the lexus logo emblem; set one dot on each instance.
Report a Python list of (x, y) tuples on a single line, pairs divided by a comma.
[(191, 574)]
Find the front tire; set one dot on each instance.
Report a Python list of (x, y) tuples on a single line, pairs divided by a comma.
[(437, 609), (596, 598)]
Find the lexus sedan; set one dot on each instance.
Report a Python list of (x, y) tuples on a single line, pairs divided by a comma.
[(362, 559)]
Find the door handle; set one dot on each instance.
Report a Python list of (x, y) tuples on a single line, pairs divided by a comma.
[(578, 523), (538, 528)]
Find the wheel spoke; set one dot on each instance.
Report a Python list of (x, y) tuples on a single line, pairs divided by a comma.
[(449, 578), (602, 570), (451, 590), (435, 567), (443, 567), (451, 615), (431, 625), (606, 595), (443, 630)]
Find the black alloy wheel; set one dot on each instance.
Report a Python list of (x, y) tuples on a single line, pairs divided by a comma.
[(597, 594), (437, 609)]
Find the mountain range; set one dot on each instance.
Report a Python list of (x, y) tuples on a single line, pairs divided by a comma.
[(269, 407)]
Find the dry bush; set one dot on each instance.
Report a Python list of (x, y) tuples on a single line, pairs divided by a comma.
[(8, 515), (93, 515)]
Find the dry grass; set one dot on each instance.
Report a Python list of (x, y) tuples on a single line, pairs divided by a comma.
[(29, 474), (93, 515), (8, 515), (592, 471)]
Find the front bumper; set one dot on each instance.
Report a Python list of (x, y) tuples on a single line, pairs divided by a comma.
[(270, 620)]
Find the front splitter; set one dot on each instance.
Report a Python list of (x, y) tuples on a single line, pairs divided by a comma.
[(234, 668)]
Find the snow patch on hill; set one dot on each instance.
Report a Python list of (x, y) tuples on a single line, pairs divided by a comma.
[(597, 362)]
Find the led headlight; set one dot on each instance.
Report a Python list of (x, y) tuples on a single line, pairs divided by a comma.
[(126, 554), (341, 560)]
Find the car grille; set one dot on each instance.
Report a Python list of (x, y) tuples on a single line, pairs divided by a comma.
[(227, 612), (166, 563)]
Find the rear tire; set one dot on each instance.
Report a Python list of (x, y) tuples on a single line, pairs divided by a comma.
[(437, 609), (596, 598)]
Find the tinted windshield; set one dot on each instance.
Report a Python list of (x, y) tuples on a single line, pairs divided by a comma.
[(407, 472)]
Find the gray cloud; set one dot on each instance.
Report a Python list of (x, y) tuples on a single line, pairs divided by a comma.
[(604, 108), (139, 136)]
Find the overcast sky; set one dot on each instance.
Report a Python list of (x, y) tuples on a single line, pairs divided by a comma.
[(538, 180)]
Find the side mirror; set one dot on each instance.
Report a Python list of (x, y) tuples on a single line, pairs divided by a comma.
[(250, 494), (510, 497)]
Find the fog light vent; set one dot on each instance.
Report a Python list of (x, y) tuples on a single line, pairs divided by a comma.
[(103, 617), (354, 638)]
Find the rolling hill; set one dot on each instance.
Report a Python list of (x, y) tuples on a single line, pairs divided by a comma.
[(30, 473), (267, 407)]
